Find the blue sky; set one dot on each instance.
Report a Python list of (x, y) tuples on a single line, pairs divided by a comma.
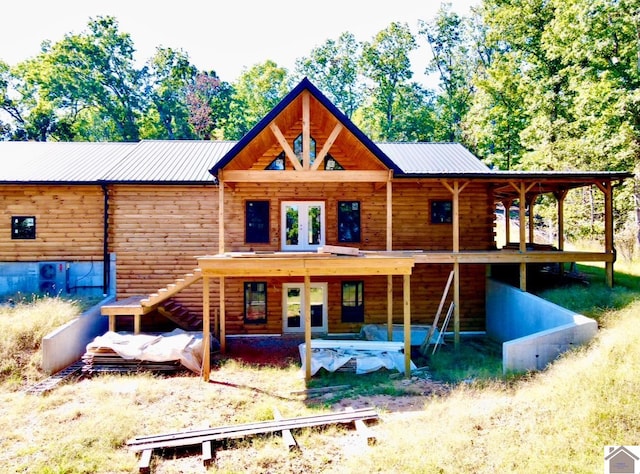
[(222, 36)]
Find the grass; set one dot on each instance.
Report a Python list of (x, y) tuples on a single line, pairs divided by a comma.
[(558, 420)]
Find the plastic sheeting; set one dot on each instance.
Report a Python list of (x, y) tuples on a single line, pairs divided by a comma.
[(176, 345), (367, 356)]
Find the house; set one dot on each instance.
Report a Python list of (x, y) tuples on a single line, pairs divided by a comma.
[(303, 226), (621, 460)]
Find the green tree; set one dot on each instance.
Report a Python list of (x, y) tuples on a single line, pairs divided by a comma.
[(455, 62), (170, 73), (333, 68), (256, 92), (385, 62)]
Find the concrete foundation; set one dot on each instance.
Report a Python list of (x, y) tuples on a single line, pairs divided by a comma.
[(68, 343), (533, 331)]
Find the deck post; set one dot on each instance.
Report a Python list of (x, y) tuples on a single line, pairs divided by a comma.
[(223, 317), (522, 201), (206, 339), (532, 223), (307, 327), (389, 307), (560, 196), (407, 325), (507, 220), (389, 248), (220, 214), (607, 190)]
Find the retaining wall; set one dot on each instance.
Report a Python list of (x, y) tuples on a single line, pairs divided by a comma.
[(533, 331), (68, 343)]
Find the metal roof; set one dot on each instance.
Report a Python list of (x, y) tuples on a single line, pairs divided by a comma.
[(60, 162), (425, 158), (176, 161)]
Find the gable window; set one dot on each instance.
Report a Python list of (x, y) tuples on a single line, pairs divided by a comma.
[(255, 302), (257, 222), (348, 221), (23, 227), (441, 212), (303, 225), (279, 163), (353, 301), (297, 149)]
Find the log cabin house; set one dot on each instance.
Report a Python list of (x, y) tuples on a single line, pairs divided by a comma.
[(303, 226)]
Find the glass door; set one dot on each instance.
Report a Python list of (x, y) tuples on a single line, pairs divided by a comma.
[(294, 307), (303, 225)]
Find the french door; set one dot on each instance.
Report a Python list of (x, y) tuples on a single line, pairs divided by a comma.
[(303, 225), (294, 307)]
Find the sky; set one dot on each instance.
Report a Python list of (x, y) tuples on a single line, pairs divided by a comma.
[(226, 37)]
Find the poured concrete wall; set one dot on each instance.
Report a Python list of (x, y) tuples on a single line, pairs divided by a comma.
[(533, 331), (68, 343)]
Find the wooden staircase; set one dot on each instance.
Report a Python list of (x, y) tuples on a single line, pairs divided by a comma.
[(181, 316), (137, 306)]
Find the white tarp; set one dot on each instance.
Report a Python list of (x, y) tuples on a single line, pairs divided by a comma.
[(176, 345), (368, 355)]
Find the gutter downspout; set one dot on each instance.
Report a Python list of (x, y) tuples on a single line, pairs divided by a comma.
[(106, 262)]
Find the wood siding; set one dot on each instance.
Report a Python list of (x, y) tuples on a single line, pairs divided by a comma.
[(157, 232), (69, 222)]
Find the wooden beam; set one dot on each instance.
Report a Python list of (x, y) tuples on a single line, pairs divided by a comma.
[(307, 327), (507, 220), (532, 200), (327, 146), (560, 196), (390, 212), (206, 326), (407, 324), (223, 318), (288, 151), (221, 218), (389, 307), (306, 176), (306, 132), (456, 305), (607, 189)]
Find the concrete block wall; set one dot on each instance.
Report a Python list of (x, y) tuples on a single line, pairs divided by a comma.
[(534, 332)]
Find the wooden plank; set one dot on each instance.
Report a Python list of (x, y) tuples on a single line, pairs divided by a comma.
[(207, 453), (144, 465), (363, 429), (407, 324), (287, 436), (305, 176), (425, 345), (339, 249)]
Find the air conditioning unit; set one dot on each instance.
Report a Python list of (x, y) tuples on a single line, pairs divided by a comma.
[(52, 278)]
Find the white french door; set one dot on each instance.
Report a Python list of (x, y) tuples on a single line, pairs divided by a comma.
[(303, 225), (293, 305)]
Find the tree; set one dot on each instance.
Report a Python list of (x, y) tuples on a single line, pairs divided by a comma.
[(385, 62), (256, 92), (333, 68), (455, 62), (208, 101), (170, 74)]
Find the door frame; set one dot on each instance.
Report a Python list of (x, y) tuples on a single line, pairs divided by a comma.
[(304, 228), (325, 313)]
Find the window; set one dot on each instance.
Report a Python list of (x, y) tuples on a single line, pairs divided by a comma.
[(297, 149), (353, 302), (348, 221), (23, 227), (279, 163), (257, 222), (255, 302), (441, 212)]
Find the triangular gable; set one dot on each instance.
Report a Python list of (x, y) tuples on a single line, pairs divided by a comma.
[(261, 139)]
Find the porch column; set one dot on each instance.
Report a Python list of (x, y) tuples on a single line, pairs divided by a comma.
[(507, 220), (220, 214), (307, 327), (522, 200), (407, 325), (389, 248), (223, 317), (206, 345), (560, 196), (607, 190), (532, 200)]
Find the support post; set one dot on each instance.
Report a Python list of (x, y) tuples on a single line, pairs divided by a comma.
[(532, 223), (456, 304), (407, 325), (206, 325), (560, 196), (607, 189), (507, 220), (307, 327), (220, 216), (223, 318), (523, 236), (389, 307)]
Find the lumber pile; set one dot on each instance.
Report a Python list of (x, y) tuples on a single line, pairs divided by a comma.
[(105, 360)]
